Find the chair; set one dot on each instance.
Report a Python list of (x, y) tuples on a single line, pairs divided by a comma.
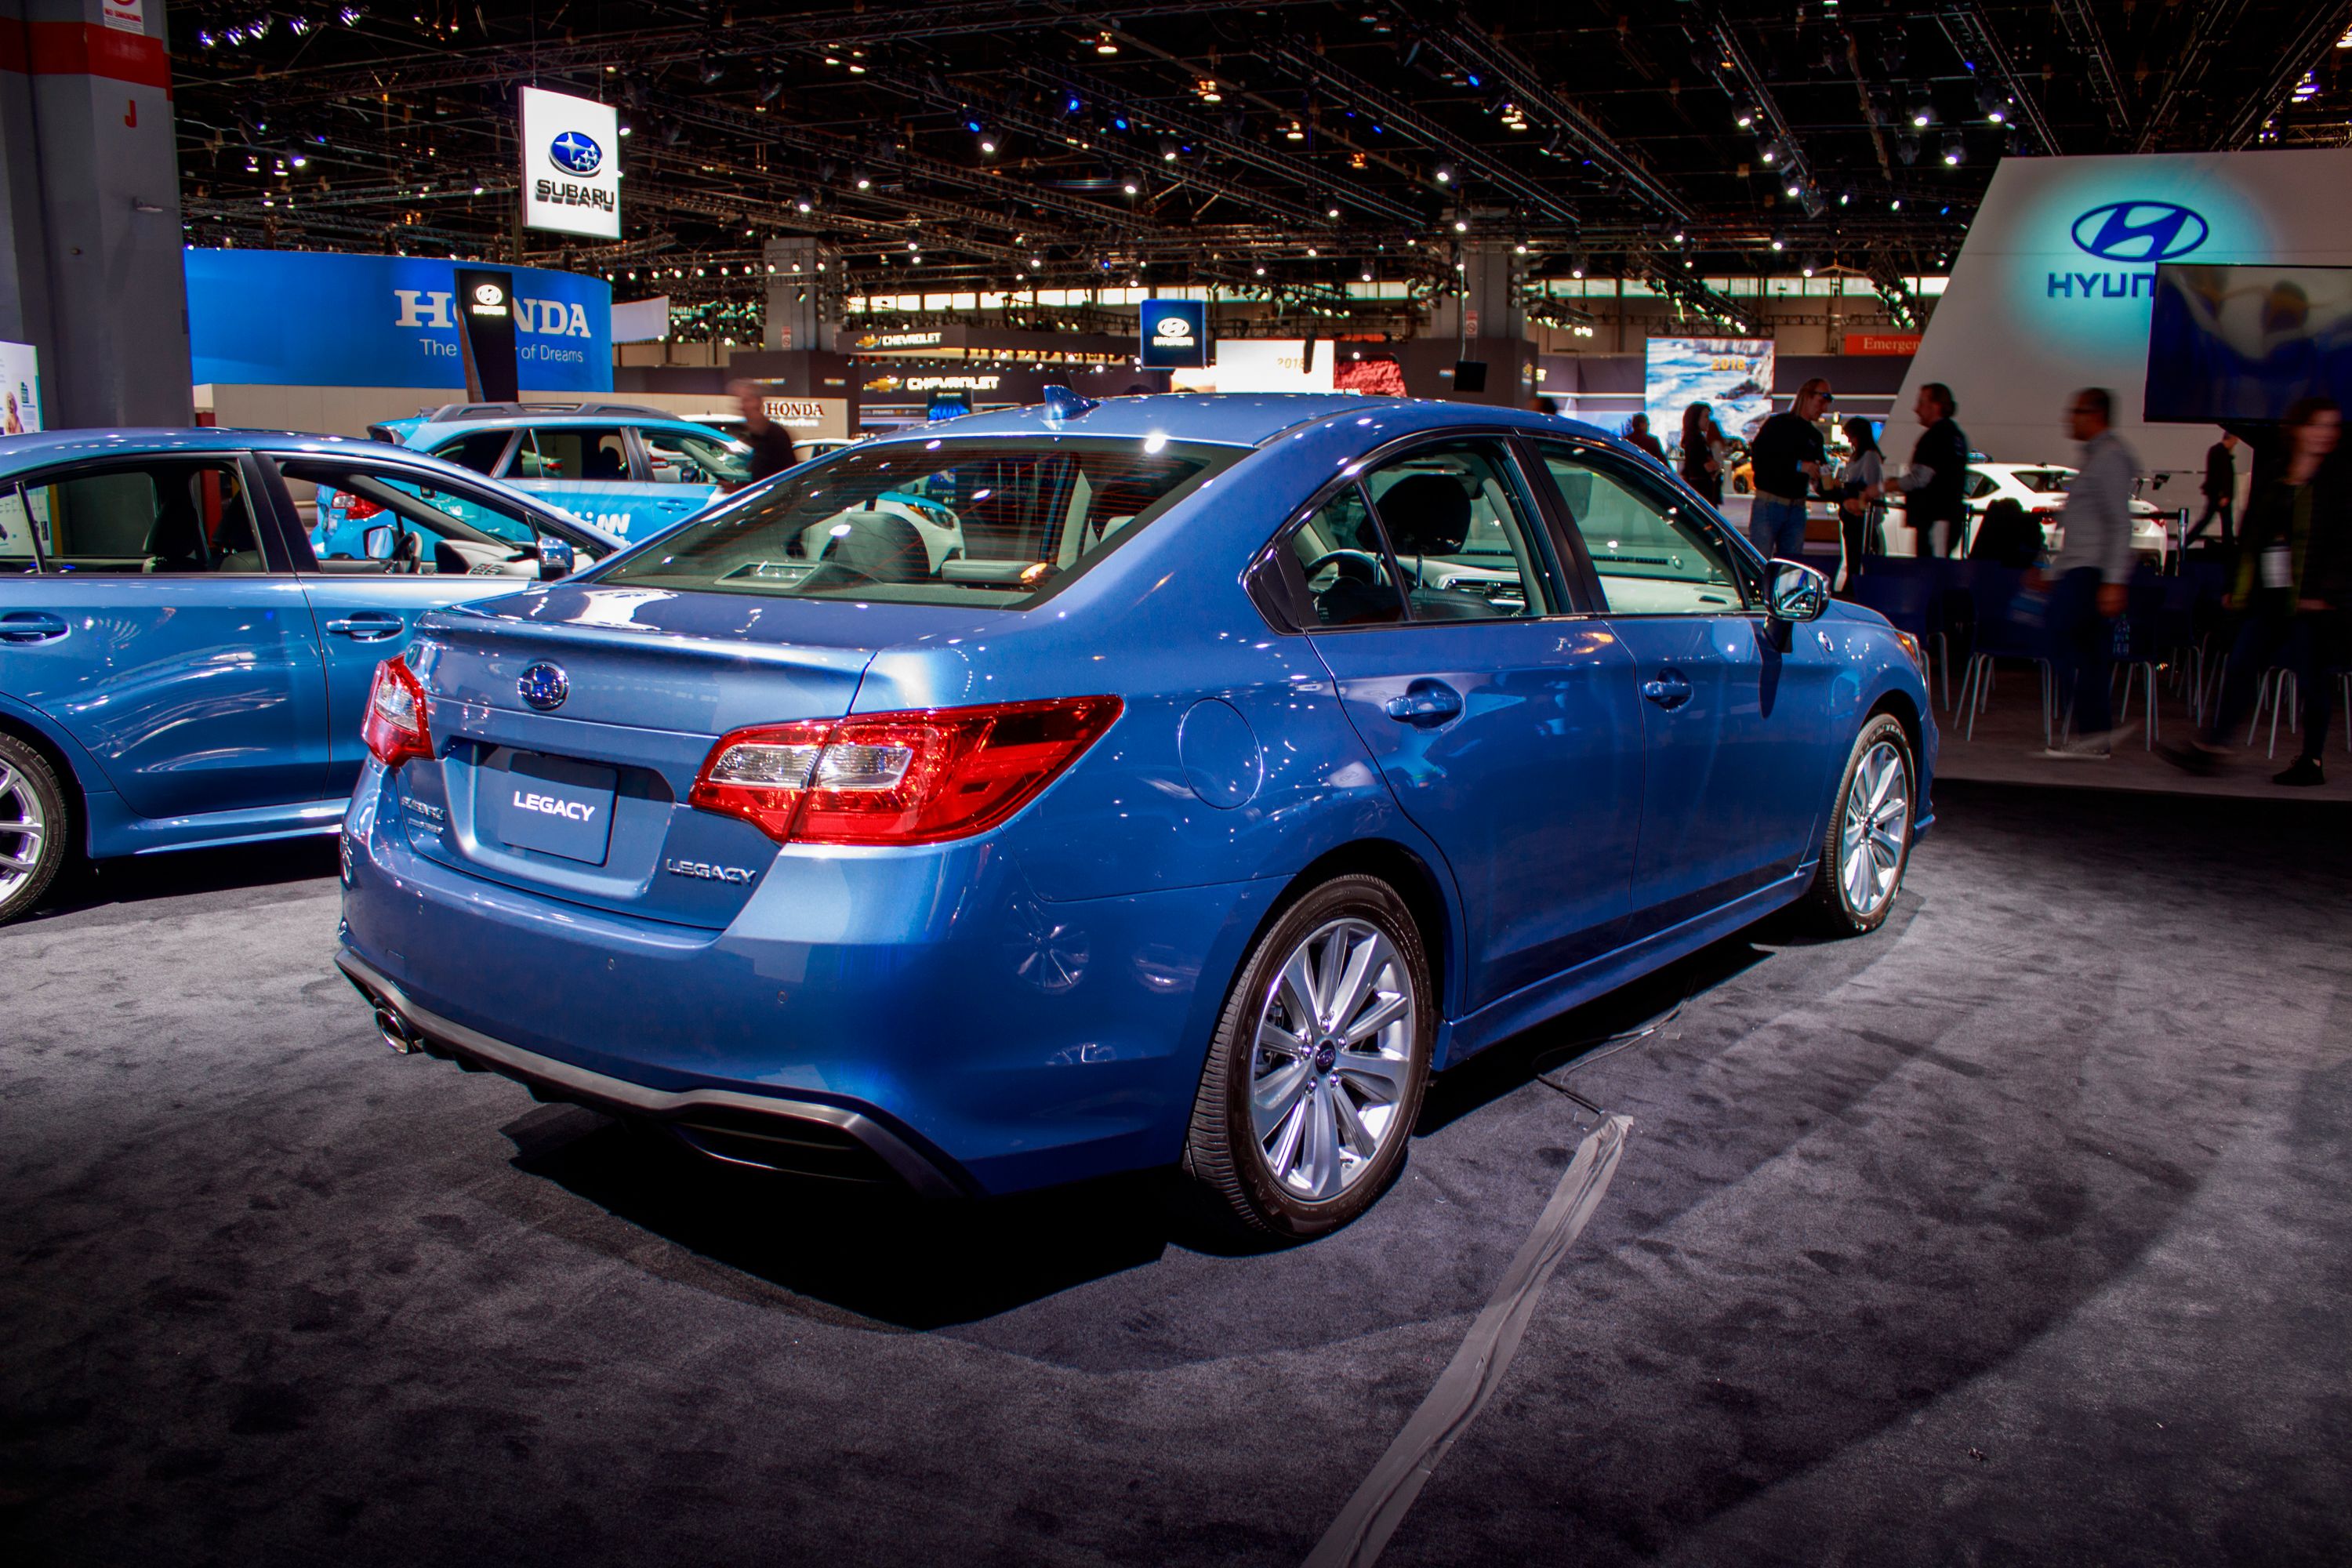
[(1906, 593), (2144, 640), (2006, 628)]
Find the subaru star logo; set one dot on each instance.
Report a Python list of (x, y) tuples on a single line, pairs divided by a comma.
[(2140, 231), (575, 153), (544, 687)]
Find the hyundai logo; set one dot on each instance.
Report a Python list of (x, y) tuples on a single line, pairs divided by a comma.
[(2140, 231), (575, 153), (487, 294), (544, 687), (1173, 327)]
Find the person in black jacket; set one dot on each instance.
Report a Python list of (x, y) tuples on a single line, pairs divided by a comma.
[(2220, 490), (1935, 486), (771, 445), (2294, 583)]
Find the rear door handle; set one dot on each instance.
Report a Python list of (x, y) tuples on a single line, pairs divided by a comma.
[(1425, 704), (23, 626), (1669, 691), (368, 625)]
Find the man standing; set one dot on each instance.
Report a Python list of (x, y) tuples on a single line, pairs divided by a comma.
[(2220, 490), (770, 443), (1637, 431), (1787, 453), (1935, 486), (2093, 572)]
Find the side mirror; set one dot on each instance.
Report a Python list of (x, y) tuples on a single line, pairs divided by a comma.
[(376, 543), (555, 558), (1795, 592)]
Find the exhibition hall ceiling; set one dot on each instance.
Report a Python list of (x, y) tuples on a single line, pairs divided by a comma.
[(1297, 145)]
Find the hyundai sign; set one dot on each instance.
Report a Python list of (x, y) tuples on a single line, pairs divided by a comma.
[(1175, 335), (571, 164), (386, 321)]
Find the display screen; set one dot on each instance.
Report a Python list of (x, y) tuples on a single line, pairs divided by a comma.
[(2244, 343)]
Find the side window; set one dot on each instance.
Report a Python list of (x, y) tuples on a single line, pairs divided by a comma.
[(1459, 529), (16, 553), (1980, 485), (573, 452), (480, 451), (677, 458), (1652, 556), (165, 519), (1349, 579), (377, 520)]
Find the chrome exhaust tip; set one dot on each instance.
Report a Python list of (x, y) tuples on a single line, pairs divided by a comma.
[(397, 1037)]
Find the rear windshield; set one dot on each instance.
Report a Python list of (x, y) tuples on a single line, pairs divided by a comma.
[(998, 524)]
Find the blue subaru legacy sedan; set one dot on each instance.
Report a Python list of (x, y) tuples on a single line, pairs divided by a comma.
[(1255, 757), (178, 666)]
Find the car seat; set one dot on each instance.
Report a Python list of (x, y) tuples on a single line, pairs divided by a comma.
[(176, 540), (1429, 514), (601, 462), (881, 546), (239, 551)]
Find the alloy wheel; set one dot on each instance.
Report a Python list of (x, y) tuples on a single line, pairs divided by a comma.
[(1877, 816), (1332, 1059), (23, 827)]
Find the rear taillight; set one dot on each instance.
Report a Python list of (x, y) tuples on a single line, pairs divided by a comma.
[(898, 778), (355, 509), (396, 728)]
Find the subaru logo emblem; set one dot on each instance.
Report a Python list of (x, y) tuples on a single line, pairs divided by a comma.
[(2139, 231), (544, 687), (575, 153)]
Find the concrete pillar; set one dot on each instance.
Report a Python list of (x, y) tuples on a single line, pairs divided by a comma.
[(89, 210), (792, 320)]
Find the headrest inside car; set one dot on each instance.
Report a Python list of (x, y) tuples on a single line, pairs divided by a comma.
[(1426, 514)]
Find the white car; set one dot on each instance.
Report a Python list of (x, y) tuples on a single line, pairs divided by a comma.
[(2041, 489)]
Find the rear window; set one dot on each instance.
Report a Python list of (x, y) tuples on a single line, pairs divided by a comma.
[(1000, 523)]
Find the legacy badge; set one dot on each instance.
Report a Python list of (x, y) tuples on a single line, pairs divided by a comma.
[(704, 871)]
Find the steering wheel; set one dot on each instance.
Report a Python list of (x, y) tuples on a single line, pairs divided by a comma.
[(1369, 564)]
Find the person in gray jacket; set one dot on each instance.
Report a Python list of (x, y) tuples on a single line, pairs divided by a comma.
[(2091, 574)]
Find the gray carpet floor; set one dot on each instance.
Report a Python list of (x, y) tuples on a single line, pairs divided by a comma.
[(2016, 1232)]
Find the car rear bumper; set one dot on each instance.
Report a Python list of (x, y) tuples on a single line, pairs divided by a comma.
[(961, 1035), (773, 1131)]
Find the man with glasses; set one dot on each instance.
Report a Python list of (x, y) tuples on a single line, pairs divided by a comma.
[(1788, 455)]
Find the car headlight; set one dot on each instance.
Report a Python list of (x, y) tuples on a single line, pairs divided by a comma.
[(1918, 653)]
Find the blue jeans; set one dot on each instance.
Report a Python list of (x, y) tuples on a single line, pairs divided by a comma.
[(1776, 528), (2082, 650)]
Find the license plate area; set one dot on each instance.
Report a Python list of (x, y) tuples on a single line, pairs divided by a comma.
[(555, 805)]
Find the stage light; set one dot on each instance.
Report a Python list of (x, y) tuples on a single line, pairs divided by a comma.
[(1445, 175), (1955, 152)]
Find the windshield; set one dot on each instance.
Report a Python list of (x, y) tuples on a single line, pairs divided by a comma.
[(955, 522)]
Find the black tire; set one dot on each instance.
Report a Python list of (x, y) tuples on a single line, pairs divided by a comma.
[(1831, 905), (30, 798), (1229, 1175)]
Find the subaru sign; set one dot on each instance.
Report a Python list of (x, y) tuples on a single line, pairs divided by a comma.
[(2144, 232), (386, 321), (570, 170), (575, 153), (1175, 335)]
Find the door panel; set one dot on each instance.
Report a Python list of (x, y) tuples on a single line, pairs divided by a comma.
[(1532, 786), (160, 639), (1732, 724), (1508, 733)]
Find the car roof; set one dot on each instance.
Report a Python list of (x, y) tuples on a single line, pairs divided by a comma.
[(1238, 419), (435, 429)]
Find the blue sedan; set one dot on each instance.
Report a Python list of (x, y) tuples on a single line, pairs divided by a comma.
[(1256, 757), (178, 666)]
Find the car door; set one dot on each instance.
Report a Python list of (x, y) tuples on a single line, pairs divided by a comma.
[(365, 607), (1503, 719), (1732, 725), (166, 633), (590, 471), (687, 468)]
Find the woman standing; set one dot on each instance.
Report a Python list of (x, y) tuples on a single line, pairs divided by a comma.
[(1859, 513), (1702, 459)]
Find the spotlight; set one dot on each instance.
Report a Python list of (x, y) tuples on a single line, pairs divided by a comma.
[(1105, 43), (1779, 240), (1955, 152), (710, 71), (1130, 187), (1167, 150), (1769, 151), (1745, 116), (1922, 113), (1445, 175), (1794, 189), (987, 144), (859, 178)]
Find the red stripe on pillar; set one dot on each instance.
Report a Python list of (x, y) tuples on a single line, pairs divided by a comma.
[(80, 48)]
